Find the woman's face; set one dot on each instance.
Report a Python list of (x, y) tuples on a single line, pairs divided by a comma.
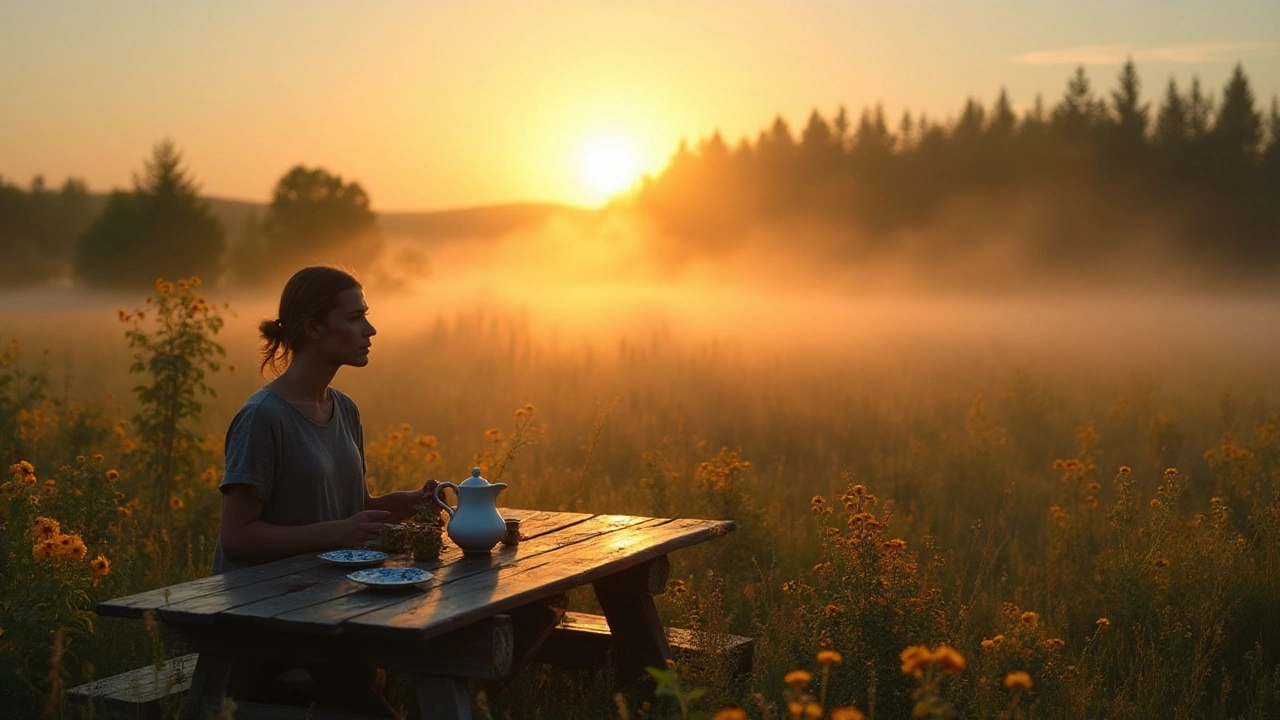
[(345, 336)]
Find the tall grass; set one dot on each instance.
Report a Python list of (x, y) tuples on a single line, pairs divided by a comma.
[(1107, 527)]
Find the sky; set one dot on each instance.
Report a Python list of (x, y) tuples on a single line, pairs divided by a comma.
[(434, 105)]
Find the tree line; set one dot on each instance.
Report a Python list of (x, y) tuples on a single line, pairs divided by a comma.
[(1194, 177), (162, 227)]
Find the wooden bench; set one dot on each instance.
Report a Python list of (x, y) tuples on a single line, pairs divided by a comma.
[(140, 692), (583, 641)]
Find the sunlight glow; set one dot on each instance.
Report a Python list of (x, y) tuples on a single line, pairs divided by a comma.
[(609, 163)]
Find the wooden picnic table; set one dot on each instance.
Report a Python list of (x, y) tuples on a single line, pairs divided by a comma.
[(479, 616)]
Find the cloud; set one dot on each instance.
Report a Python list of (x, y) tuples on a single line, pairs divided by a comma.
[(1207, 51)]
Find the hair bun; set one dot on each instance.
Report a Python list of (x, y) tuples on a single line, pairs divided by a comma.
[(271, 329)]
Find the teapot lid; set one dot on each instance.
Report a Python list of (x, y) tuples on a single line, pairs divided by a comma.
[(475, 480)]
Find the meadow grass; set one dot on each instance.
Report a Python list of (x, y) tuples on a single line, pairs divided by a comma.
[(977, 531)]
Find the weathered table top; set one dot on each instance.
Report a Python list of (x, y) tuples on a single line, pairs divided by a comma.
[(306, 595)]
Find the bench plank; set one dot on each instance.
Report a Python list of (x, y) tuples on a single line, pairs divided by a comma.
[(583, 641), (144, 685)]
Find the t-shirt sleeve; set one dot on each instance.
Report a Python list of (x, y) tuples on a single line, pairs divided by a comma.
[(252, 453)]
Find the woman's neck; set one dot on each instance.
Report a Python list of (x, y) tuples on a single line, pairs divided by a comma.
[(305, 381)]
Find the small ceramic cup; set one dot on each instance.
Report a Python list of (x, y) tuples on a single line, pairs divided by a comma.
[(512, 536)]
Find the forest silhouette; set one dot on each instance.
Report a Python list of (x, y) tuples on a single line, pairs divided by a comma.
[(1092, 182), (1098, 189)]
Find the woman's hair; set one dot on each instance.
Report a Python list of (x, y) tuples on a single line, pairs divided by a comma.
[(311, 293)]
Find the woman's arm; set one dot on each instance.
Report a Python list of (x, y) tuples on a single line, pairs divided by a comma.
[(248, 538)]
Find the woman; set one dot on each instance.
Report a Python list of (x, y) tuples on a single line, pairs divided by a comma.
[(295, 468), (295, 471)]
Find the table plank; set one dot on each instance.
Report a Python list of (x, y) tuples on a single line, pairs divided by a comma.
[(345, 601), (201, 600), (479, 595)]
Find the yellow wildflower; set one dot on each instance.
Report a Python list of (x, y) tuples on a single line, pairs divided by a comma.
[(827, 658), (1029, 619), (1017, 680), (426, 441), (950, 659), (895, 544), (833, 610), (493, 434), (817, 500), (123, 511), (914, 659), (176, 503), (44, 549), (847, 713), (44, 528), (798, 678), (813, 711), (98, 457), (1124, 470), (100, 565), (796, 709), (1103, 622)]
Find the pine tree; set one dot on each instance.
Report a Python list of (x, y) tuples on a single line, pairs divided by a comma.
[(1237, 130), (160, 229), (1172, 123), (1076, 116), (1131, 115), (1003, 121), (1199, 110)]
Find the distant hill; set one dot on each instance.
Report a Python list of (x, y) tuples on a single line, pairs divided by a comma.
[(429, 227)]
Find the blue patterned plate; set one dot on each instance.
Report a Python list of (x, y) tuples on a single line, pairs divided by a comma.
[(354, 558), (395, 577)]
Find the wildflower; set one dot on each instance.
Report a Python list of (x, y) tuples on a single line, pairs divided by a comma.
[(677, 587), (493, 434), (123, 511), (1017, 680), (1124, 470), (51, 484), (1094, 487), (1091, 502), (1156, 504), (795, 708), (1029, 619), (22, 468), (1054, 643), (44, 549), (1162, 562), (1058, 464), (100, 565), (817, 501), (812, 710), (847, 713), (426, 441), (895, 544), (176, 503), (1103, 622), (9, 489), (210, 474), (1170, 472), (833, 610), (798, 678), (123, 314), (788, 586), (28, 479), (731, 713), (950, 659), (827, 658), (914, 659), (98, 457), (44, 528), (80, 459)]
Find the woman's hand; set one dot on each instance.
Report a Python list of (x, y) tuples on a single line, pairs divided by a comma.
[(402, 504), (360, 528)]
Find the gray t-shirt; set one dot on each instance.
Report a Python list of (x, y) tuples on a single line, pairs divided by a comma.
[(303, 470)]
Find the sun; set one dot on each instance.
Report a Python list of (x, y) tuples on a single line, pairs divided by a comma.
[(609, 162)]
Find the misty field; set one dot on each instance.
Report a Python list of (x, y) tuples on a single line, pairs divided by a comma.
[(1070, 503)]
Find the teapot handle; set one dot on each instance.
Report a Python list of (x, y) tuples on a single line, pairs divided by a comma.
[(435, 495)]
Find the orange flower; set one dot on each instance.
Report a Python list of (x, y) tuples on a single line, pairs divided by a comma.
[(950, 659), (176, 503), (827, 658), (847, 713), (100, 565), (731, 713), (1029, 619), (1017, 680), (113, 475), (914, 660), (44, 549), (1124, 470), (44, 528), (798, 678), (1103, 622), (813, 711)]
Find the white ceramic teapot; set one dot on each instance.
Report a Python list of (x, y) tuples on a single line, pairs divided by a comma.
[(475, 526)]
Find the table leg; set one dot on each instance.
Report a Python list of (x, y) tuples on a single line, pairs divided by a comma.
[(639, 640), (208, 686), (441, 697)]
